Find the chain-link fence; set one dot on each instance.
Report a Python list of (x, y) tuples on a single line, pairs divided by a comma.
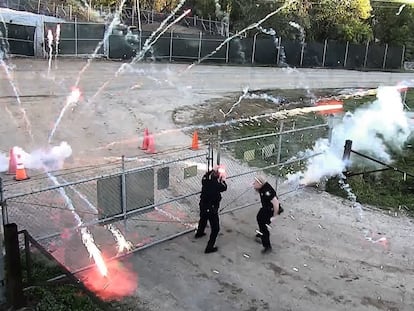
[(130, 15), (259, 50), (16, 40), (276, 154), (74, 39), (135, 204), (80, 38), (102, 199)]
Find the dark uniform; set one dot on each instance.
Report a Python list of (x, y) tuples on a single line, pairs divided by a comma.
[(267, 193), (210, 198)]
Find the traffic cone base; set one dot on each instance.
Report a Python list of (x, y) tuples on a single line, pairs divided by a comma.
[(20, 170), (151, 144), (194, 144), (144, 145), (12, 163)]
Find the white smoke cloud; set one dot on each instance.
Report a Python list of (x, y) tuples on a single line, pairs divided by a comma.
[(375, 130), (42, 159)]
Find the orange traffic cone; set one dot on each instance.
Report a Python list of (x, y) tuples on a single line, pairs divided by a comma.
[(20, 170), (194, 145), (151, 144), (144, 145), (12, 162)]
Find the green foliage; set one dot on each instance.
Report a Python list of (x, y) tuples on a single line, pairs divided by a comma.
[(60, 298), (45, 296), (395, 29)]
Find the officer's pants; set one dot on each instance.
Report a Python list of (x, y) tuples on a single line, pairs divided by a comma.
[(210, 215), (263, 218)]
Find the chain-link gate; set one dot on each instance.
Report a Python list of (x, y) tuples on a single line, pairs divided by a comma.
[(131, 208), (137, 203)]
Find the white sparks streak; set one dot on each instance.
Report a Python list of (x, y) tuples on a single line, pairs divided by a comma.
[(123, 244), (73, 98), (245, 92), (50, 43), (57, 39)]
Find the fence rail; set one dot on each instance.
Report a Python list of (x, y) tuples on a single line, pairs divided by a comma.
[(145, 203)]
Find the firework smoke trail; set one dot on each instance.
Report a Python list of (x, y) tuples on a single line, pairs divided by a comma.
[(270, 32), (359, 211), (57, 41), (115, 20), (237, 34), (166, 28), (73, 98), (50, 45), (146, 47), (120, 239), (301, 31), (400, 9), (245, 90), (264, 96), (148, 44), (149, 40), (87, 238)]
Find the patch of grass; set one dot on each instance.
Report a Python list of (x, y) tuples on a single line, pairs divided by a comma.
[(61, 295), (386, 190)]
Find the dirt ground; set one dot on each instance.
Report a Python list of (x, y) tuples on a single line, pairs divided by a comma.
[(326, 255)]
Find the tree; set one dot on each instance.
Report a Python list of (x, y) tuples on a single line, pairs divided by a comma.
[(343, 20), (395, 26)]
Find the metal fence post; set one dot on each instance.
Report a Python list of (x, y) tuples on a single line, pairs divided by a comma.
[(366, 54), (278, 51), (76, 36), (27, 258), (279, 148), (227, 51), (2, 271), (38, 7), (346, 53), (138, 14), (218, 147), (14, 285), (199, 46), (171, 44), (254, 46), (302, 50), (330, 127), (324, 52), (347, 150), (385, 56), (123, 188), (402, 57)]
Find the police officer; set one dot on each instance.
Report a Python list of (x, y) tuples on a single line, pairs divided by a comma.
[(212, 186), (270, 205)]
